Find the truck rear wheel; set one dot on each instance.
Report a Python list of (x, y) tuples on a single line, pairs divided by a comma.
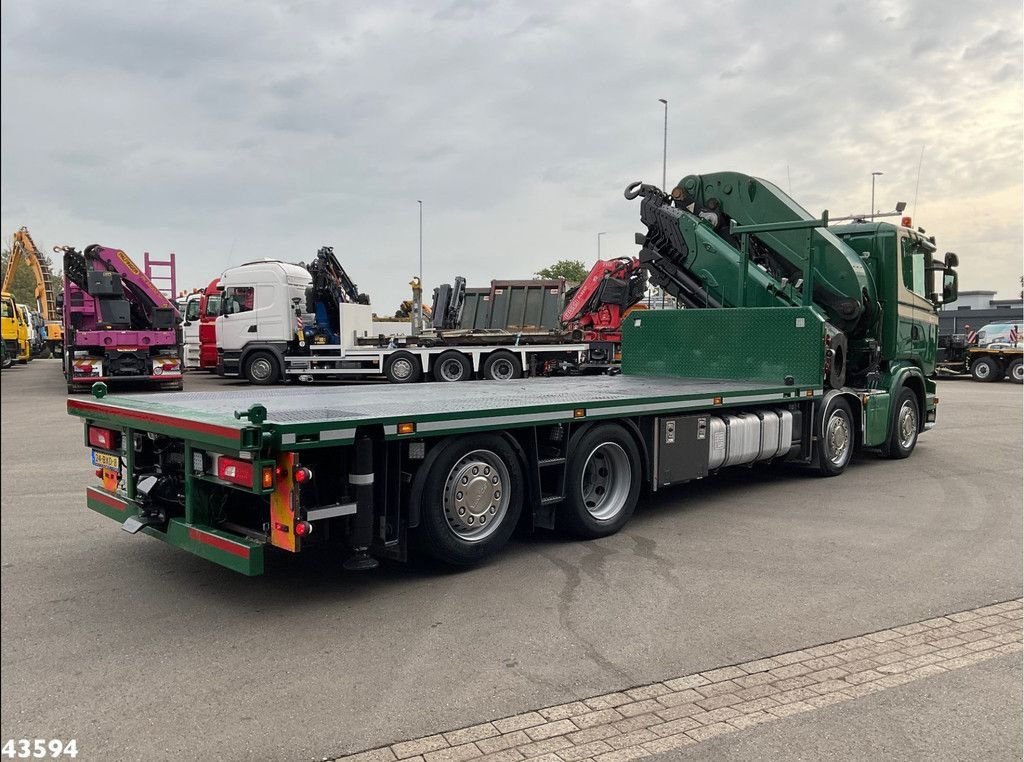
[(452, 366), (985, 369), (261, 368), (502, 366), (403, 368), (904, 425), (1016, 371), (835, 438), (471, 500), (602, 482)]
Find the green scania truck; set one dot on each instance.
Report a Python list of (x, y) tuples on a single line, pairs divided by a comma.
[(801, 343)]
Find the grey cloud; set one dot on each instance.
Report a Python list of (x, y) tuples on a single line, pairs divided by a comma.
[(283, 126)]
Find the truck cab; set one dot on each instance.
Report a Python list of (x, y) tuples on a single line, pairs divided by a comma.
[(911, 282), (190, 310), (209, 310), (257, 319), (15, 331)]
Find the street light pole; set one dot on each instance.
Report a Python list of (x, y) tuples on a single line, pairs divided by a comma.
[(418, 305), (664, 149), (873, 176), (599, 244)]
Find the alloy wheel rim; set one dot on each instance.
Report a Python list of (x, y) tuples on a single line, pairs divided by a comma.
[(837, 438), (606, 480), (476, 498)]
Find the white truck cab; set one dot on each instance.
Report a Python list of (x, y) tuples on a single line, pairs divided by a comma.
[(257, 318), (189, 307)]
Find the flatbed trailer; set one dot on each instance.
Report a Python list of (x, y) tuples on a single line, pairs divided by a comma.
[(378, 471)]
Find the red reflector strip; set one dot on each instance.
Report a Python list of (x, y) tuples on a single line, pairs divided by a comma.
[(107, 500), (218, 542)]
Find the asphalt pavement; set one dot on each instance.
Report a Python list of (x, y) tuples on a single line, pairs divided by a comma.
[(140, 651)]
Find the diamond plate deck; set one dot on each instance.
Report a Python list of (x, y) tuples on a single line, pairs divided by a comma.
[(306, 408)]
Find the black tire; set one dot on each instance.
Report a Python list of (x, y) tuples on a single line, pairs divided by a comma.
[(403, 368), (904, 425), (603, 480), (502, 366), (834, 438), (452, 366), (1016, 371), (261, 368), (449, 530), (985, 369)]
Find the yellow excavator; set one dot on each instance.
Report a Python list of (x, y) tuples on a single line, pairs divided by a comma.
[(23, 248)]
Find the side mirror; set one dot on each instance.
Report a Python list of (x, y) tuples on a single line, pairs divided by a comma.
[(952, 260), (950, 286)]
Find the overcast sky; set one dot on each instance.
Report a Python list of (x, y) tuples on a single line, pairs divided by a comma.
[(231, 131)]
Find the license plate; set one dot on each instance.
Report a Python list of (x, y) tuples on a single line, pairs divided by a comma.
[(105, 460)]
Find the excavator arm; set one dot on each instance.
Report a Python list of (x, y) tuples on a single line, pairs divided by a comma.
[(23, 248), (689, 250)]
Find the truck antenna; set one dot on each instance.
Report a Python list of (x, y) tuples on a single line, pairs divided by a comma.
[(920, 161)]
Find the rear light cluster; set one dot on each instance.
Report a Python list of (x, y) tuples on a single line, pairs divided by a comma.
[(88, 367), (166, 366), (104, 439), (245, 473)]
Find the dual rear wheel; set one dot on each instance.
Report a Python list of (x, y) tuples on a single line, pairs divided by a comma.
[(474, 492)]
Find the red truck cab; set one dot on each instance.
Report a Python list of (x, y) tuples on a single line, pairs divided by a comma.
[(209, 308)]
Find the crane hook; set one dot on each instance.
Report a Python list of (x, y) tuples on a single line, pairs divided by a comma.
[(633, 190)]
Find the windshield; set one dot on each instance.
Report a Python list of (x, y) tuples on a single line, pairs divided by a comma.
[(192, 310), (212, 306), (8, 309)]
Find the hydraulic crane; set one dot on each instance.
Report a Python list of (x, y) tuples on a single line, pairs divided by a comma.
[(594, 310), (23, 249), (331, 286), (731, 240)]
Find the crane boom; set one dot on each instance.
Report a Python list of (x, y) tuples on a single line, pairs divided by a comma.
[(23, 248), (689, 250)]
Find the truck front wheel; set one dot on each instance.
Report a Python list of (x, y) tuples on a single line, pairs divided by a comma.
[(471, 500), (1016, 371), (985, 369), (835, 438), (904, 426), (261, 368), (602, 482)]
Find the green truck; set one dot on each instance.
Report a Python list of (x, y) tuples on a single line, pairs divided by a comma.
[(803, 344)]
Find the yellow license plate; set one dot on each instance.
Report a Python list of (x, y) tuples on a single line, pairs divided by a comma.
[(105, 460)]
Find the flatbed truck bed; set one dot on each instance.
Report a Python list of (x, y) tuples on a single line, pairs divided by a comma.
[(452, 469)]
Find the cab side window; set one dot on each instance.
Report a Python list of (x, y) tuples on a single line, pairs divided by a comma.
[(238, 299), (912, 257)]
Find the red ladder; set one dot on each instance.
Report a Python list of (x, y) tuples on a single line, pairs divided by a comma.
[(168, 277)]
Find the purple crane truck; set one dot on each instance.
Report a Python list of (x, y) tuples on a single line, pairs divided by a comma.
[(118, 326)]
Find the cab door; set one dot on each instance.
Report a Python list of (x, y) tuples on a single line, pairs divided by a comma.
[(918, 322), (237, 325)]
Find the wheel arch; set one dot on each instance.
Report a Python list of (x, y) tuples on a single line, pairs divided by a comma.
[(915, 382), (438, 448), (274, 348)]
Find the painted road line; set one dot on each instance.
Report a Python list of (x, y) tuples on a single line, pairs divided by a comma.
[(649, 719)]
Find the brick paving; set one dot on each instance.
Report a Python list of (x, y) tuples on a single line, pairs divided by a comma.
[(650, 719)]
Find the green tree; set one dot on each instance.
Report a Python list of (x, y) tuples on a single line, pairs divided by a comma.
[(573, 270), (24, 286)]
